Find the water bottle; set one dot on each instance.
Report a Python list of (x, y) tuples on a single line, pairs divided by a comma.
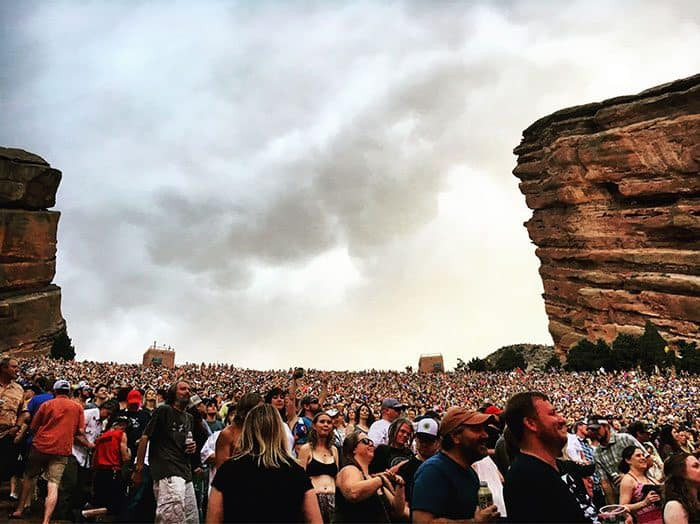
[(189, 439), (484, 495)]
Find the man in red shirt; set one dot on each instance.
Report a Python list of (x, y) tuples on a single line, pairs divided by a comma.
[(54, 427)]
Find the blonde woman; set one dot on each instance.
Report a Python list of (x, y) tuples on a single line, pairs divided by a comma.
[(262, 482), (150, 400)]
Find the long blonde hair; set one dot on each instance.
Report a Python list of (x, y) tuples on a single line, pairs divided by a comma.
[(263, 438)]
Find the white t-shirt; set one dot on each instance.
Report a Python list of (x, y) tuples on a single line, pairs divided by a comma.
[(574, 448), (379, 432), (487, 470), (93, 429)]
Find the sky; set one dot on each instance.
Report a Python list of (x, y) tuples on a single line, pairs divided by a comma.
[(324, 184)]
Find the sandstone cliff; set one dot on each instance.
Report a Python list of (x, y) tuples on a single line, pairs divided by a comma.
[(30, 306), (615, 189)]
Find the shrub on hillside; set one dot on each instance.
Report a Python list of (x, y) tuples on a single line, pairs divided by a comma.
[(509, 360), (62, 347)]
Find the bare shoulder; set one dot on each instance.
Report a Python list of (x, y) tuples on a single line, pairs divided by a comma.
[(675, 513)]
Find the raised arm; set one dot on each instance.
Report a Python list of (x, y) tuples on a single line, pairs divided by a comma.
[(354, 487)]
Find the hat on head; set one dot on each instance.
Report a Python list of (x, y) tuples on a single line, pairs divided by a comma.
[(61, 385), (124, 421), (457, 416), (426, 427), (595, 421), (134, 397), (493, 410), (83, 385), (332, 412), (392, 403), (195, 400)]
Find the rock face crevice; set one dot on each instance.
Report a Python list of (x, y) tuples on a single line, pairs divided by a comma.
[(615, 191), (30, 305)]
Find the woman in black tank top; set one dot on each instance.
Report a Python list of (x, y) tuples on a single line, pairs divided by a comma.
[(361, 497), (320, 459)]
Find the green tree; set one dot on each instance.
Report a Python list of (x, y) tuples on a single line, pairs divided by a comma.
[(582, 357), (62, 347), (553, 363), (651, 349), (510, 359), (477, 364), (689, 357), (626, 350)]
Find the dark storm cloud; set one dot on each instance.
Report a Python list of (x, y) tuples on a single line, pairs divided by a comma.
[(213, 152)]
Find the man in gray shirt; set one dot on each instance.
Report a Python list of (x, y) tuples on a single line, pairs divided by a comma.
[(168, 432)]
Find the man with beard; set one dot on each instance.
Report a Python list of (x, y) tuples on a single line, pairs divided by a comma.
[(609, 454), (536, 488), (170, 434), (445, 485)]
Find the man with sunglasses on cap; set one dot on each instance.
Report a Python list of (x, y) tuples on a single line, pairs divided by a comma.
[(445, 486), (379, 430), (609, 454)]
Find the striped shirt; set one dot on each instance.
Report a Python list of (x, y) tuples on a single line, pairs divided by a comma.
[(607, 457)]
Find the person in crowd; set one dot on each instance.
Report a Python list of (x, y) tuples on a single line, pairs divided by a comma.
[(505, 451), (169, 433), (286, 408), (361, 497), (642, 433), (110, 454), (213, 416), (427, 444), (55, 426), (608, 455), (74, 490), (685, 442), (150, 401), (102, 394), (643, 503), (11, 407), (379, 431), (397, 451), (681, 489), (137, 417), (319, 457), (668, 443), (262, 467), (227, 445), (364, 418), (536, 488), (339, 427), (445, 485), (310, 405)]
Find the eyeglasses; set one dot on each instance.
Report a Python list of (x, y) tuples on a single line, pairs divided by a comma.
[(366, 442)]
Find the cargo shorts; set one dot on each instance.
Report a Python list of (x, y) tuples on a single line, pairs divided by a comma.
[(175, 501), (51, 465)]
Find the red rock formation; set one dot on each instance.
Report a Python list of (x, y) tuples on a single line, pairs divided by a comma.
[(30, 306), (615, 189)]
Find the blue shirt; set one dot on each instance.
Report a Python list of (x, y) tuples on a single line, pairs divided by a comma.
[(445, 489), (33, 406)]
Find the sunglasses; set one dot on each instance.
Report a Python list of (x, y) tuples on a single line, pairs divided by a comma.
[(366, 442)]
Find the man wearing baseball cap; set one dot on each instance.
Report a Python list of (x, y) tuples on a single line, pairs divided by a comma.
[(390, 411), (427, 443), (56, 425), (445, 485)]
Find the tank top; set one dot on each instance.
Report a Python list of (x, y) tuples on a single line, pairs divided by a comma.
[(650, 514), (107, 453), (316, 467), (369, 510)]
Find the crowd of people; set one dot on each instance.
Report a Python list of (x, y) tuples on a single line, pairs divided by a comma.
[(218, 443)]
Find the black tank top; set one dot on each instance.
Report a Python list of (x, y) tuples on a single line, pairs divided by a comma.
[(369, 510), (316, 467)]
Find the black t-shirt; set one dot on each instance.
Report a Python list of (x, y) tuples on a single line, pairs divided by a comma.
[(407, 472), (167, 431), (137, 423), (254, 494), (386, 457), (536, 492)]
